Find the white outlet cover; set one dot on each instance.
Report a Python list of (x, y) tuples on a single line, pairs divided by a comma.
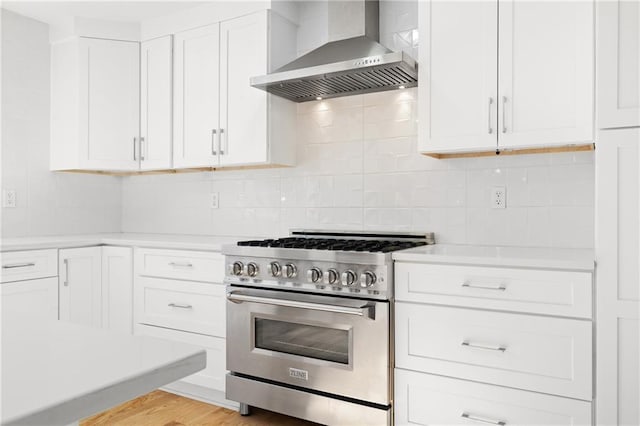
[(214, 200), (499, 197), (9, 198)]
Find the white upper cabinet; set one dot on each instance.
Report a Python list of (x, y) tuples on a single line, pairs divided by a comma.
[(95, 104), (546, 78), (458, 68), (196, 97), (618, 63), (506, 75), (155, 103)]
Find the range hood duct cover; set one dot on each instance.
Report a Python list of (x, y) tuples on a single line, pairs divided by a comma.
[(343, 67)]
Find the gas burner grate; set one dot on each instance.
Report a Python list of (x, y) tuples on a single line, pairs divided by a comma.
[(334, 244)]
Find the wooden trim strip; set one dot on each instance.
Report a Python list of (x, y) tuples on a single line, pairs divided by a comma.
[(171, 171), (522, 151)]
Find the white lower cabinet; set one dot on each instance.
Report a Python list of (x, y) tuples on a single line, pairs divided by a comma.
[(31, 299), (117, 289), (425, 399)]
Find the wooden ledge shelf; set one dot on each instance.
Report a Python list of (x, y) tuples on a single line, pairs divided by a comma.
[(523, 151)]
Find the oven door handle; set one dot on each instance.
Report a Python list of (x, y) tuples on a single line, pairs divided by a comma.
[(363, 311)]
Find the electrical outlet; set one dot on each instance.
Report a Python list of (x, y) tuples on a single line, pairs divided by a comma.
[(499, 197), (9, 198), (214, 200)]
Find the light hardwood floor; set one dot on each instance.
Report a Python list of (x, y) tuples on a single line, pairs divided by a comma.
[(160, 408)]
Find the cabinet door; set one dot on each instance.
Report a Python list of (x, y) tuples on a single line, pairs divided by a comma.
[(117, 289), (617, 277), (546, 62), (80, 285), (458, 76), (155, 107), (243, 112), (31, 299), (109, 104), (618, 63), (196, 97)]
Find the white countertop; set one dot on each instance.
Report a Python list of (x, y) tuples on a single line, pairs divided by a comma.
[(57, 373), (526, 257), (169, 241)]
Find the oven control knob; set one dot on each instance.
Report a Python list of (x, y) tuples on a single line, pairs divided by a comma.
[(348, 278), (314, 275), (251, 269), (275, 269), (290, 270), (367, 279), (236, 268), (331, 277)]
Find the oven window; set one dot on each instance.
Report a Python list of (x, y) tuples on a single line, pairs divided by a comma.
[(310, 341)]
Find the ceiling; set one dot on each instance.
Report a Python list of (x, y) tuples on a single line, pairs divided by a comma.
[(58, 12)]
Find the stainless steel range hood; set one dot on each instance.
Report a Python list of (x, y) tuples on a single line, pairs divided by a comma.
[(346, 65)]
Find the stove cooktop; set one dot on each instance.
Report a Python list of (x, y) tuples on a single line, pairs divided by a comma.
[(335, 244)]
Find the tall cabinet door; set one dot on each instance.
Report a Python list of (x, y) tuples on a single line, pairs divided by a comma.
[(155, 103), (618, 63), (546, 62), (617, 277), (109, 101), (197, 97), (80, 285), (458, 76), (243, 111)]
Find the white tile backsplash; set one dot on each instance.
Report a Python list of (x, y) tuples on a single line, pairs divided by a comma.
[(358, 168), (47, 203)]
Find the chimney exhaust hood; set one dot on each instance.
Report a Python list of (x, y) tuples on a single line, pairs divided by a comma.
[(347, 65)]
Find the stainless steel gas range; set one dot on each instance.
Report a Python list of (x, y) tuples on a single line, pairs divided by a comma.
[(309, 324)]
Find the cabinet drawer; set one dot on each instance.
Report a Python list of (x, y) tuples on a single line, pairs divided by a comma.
[(180, 264), (213, 375), (561, 293), (29, 300), (424, 399), (551, 355), (181, 305), (28, 265)]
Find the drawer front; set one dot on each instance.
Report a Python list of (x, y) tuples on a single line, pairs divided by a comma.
[(424, 399), (559, 293), (180, 264), (29, 265), (29, 300), (213, 375), (551, 355), (181, 305)]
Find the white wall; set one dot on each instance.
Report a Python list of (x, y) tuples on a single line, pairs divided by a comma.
[(358, 168), (47, 203)]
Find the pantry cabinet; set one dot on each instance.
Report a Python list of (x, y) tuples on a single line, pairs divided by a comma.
[(95, 104), (155, 103), (618, 63), (80, 286), (219, 119), (505, 75), (618, 277)]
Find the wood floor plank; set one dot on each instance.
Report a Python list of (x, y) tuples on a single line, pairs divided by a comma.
[(160, 408)]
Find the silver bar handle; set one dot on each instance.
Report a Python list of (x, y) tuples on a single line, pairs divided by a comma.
[(180, 305), (66, 272), (361, 312), (483, 419), (226, 141), (481, 346), (504, 115), (135, 158), (490, 103), (18, 265), (142, 152), (181, 264), (499, 287), (213, 142)]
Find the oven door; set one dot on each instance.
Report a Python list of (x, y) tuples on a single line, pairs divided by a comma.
[(328, 344)]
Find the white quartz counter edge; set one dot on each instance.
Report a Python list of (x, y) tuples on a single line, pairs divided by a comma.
[(56, 373), (518, 257), (167, 241)]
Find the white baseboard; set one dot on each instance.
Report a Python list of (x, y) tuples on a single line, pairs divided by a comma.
[(202, 394)]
